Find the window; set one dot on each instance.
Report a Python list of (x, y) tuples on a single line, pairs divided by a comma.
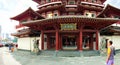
[(71, 13), (71, 2), (117, 17), (93, 1), (48, 1), (49, 15), (93, 15), (87, 14), (24, 21), (55, 14)]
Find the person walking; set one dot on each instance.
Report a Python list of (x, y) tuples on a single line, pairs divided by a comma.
[(10, 46), (110, 53)]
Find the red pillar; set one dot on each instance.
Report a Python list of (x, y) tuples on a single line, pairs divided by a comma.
[(60, 42), (97, 39), (80, 35), (42, 40), (57, 41)]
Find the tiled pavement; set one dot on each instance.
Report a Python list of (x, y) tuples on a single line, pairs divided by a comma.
[(26, 58)]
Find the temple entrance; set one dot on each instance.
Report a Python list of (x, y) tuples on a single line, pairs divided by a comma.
[(88, 40), (72, 41), (52, 43), (69, 42)]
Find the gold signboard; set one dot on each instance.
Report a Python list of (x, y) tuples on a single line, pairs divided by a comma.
[(69, 26)]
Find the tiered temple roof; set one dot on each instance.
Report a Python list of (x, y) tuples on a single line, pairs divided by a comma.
[(109, 11), (36, 21), (28, 13)]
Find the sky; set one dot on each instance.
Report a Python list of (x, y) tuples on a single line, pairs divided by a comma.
[(11, 8)]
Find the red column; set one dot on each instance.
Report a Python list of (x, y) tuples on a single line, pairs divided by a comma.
[(42, 40), (80, 39), (57, 41), (60, 42), (97, 39)]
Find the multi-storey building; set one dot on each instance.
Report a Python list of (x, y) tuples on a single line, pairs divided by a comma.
[(65, 24)]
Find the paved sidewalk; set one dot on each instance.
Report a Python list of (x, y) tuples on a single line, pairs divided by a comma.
[(26, 58), (8, 59), (1, 57)]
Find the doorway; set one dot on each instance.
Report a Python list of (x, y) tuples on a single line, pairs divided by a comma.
[(69, 42)]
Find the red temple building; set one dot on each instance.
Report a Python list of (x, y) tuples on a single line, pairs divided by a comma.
[(65, 24)]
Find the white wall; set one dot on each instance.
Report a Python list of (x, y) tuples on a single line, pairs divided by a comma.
[(26, 43), (115, 39)]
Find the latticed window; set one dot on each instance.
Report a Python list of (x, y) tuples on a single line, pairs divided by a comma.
[(72, 2), (93, 1), (48, 1), (93, 15), (87, 14), (55, 14), (71, 13), (24, 20), (49, 15), (90, 14), (117, 17)]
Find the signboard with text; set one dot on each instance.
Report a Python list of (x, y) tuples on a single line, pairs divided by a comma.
[(69, 26)]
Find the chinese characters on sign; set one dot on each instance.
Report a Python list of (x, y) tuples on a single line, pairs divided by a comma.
[(68, 26)]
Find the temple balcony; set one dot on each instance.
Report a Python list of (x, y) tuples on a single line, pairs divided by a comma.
[(51, 3), (94, 4), (71, 6)]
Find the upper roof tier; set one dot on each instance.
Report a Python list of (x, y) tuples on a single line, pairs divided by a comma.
[(48, 1), (110, 11), (26, 14), (30, 14)]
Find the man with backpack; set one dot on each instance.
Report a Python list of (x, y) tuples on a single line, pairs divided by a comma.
[(110, 53)]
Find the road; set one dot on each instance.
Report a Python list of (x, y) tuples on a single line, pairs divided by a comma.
[(6, 58), (1, 56)]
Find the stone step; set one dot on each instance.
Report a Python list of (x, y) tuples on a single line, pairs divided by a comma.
[(69, 53)]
